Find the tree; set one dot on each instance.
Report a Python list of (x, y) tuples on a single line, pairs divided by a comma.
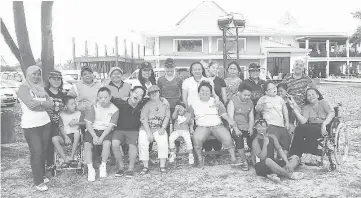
[(355, 39), (23, 51)]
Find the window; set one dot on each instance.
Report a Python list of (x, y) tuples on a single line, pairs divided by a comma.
[(232, 44), (188, 45)]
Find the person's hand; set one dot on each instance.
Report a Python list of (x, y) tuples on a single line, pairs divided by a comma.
[(250, 131), (150, 137), (288, 126), (67, 140), (191, 132), (95, 140), (323, 130), (100, 140), (176, 108), (237, 131), (288, 167), (73, 122), (292, 102), (231, 122), (161, 131)]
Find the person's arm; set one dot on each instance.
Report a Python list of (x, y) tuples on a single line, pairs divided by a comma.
[(166, 118), (330, 113), (73, 91), (61, 128), (251, 121), (260, 153), (260, 104), (34, 105), (144, 118), (285, 114), (299, 116), (223, 113), (230, 109), (279, 148), (89, 119), (224, 94), (175, 113), (191, 124), (112, 124), (185, 97)]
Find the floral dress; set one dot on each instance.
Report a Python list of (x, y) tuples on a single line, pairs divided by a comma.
[(232, 87)]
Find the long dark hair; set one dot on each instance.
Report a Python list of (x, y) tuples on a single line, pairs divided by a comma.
[(234, 63), (60, 88), (320, 97), (142, 79), (203, 70)]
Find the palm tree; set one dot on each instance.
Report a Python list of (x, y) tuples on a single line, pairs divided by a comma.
[(355, 39)]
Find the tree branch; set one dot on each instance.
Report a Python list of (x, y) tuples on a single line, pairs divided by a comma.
[(9, 40), (47, 50)]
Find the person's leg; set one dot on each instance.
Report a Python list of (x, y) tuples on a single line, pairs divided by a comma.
[(105, 156), (75, 144), (58, 142), (46, 132), (276, 168), (50, 149), (222, 134), (172, 138), (131, 138), (118, 138), (88, 153), (132, 156), (217, 145), (238, 139), (33, 137), (143, 145), (311, 136), (187, 138), (162, 144), (305, 139), (199, 136)]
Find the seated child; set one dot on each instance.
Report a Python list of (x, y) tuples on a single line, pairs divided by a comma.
[(240, 109), (264, 146), (183, 127), (274, 110), (282, 91), (69, 122), (100, 121)]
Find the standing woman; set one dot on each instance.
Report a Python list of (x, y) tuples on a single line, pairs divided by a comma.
[(86, 90), (55, 91), (119, 89), (190, 85), (35, 121), (219, 84), (146, 77), (232, 81)]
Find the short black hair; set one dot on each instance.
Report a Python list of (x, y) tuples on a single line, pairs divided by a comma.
[(283, 86), (320, 97), (265, 86), (105, 89), (67, 98), (205, 84), (261, 122), (244, 86), (139, 87)]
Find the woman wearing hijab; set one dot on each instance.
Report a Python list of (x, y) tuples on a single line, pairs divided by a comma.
[(35, 121)]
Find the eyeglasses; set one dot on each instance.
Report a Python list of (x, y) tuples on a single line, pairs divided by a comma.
[(273, 88)]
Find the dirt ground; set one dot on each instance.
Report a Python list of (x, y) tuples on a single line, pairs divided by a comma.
[(217, 179)]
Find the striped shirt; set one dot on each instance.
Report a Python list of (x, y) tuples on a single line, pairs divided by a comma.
[(297, 87)]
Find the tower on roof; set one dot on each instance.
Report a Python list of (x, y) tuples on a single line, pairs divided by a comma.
[(287, 20)]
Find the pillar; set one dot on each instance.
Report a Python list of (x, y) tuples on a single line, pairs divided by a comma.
[(347, 48), (86, 48), (74, 64), (327, 48), (307, 44), (209, 44), (327, 68), (116, 52)]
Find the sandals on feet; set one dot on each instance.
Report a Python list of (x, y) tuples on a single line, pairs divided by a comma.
[(144, 171), (162, 170)]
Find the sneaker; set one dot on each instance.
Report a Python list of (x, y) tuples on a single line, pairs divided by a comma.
[(119, 173), (297, 176), (191, 159), (172, 157), (129, 174), (46, 180), (102, 171), (91, 174), (41, 187)]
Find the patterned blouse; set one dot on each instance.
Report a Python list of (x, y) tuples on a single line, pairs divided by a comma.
[(232, 87)]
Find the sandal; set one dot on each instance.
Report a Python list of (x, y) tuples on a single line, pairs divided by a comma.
[(144, 171), (162, 170), (64, 165)]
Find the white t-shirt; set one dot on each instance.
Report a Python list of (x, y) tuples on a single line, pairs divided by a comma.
[(272, 109), (207, 113), (66, 118), (191, 86)]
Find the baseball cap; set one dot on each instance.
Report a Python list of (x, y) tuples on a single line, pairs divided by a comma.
[(254, 66), (146, 65), (86, 68), (169, 63), (55, 74), (152, 89)]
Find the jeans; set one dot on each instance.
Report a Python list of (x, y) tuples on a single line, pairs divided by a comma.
[(305, 139), (50, 150), (38, 139)]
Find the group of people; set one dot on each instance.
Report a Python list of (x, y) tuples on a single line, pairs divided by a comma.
[(208, 112)]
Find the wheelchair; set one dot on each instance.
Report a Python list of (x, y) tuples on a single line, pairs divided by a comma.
[(335, 144)]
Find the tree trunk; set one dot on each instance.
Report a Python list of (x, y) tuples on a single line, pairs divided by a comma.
[(47, 51), (26, 55), (9, 40)]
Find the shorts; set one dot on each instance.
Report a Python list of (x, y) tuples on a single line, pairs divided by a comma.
[(282, 135), (263, 170), (70, 135), (128, 137), (238, 140), (89, 138)]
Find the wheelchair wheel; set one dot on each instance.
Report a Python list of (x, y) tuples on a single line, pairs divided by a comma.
[(341, 144), (80, 171)]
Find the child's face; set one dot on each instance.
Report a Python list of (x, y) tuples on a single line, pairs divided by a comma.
[(271, 90), (261, 128), (181, 110), (245, 95), (104, 98), (282, 92), (71, 105)]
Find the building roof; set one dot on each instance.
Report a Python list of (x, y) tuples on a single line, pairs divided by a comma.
[(202, 21)]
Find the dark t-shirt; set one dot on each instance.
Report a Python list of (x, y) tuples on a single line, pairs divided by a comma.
[(219, 83), (57, 107), (129, 117), (257, 90), (171, 90)]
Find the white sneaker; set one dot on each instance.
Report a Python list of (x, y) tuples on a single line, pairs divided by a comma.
[(172, 157), (41, 187), (103, 171), (91, 174), (191, 159), (46, 180)]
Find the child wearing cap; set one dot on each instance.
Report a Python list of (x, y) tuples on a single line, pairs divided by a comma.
[(154, 118), (100, 121), (183, 127)]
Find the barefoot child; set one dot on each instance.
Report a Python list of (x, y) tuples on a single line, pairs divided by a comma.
[(69, 122), (100, 121), (240, 109), (183, 127), (264, 146), (274, 110)]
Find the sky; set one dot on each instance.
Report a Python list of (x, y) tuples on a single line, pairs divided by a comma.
[(100, 21)]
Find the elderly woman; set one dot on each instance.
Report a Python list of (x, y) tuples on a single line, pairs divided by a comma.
[(298, 82), (208, 113), (35, 121), (118, 88), (154, 118), (86, 90), (314, 118)]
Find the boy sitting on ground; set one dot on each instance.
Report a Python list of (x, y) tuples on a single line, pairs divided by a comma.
[(183, 127), (100, 121), (69, 122)]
